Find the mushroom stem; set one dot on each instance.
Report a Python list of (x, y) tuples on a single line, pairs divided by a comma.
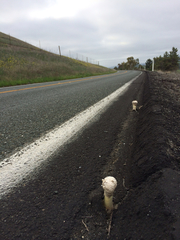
[(109, 184), (134, 105), (108, 202)]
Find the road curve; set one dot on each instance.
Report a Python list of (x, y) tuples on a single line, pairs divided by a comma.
[(29, 111), (22, 163)]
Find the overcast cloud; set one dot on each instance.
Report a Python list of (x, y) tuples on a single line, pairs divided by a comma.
[(108, 31)]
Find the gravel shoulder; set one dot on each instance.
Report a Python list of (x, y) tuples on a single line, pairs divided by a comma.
[(140, 149)]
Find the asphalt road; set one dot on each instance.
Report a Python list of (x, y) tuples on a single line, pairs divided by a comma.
[(53, 204), (27, 112)]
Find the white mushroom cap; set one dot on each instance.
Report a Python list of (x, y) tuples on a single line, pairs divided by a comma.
[(135, 102), (109, 184)]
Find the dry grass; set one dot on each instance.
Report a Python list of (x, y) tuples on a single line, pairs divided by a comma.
[(22, 63)]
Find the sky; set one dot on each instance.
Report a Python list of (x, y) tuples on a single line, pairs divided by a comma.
[(104, 31)]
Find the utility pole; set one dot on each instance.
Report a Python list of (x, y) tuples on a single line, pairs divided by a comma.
[(153, 65)]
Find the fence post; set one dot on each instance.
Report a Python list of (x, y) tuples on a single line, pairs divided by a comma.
[(59, 50)]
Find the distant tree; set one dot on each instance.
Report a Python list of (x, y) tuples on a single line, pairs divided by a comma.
[(119, 66), (122, 66), (131, 62), (158, 63), (168, 62), (137, 61), (129, 65), (149, 64), (174, 58), (166, 66)]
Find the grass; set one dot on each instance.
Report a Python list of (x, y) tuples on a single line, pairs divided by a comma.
[(22, 63)]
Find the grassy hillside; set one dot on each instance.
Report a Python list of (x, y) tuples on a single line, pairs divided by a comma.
[(22, 63)]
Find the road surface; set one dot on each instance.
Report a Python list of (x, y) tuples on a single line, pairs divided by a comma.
[(50, 202)]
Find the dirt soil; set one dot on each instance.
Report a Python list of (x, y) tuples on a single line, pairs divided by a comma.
[(143, 154), (151, 207), (146, 157)]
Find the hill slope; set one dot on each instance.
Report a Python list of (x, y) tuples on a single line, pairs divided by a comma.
[(22, 63)]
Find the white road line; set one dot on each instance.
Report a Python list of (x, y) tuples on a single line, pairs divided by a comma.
[(21, 164)]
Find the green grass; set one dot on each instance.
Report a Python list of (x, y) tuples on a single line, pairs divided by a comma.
[(22, 63)]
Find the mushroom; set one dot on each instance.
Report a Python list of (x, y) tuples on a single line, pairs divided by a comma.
[(134, 105), (109, 184)]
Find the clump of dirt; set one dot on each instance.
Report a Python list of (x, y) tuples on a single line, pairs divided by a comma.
[(146, 157)]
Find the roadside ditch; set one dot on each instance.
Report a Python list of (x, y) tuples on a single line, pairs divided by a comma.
[(146, 161), (151, 207)]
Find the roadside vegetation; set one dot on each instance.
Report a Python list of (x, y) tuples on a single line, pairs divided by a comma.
[(167, 62), (23, 63)]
